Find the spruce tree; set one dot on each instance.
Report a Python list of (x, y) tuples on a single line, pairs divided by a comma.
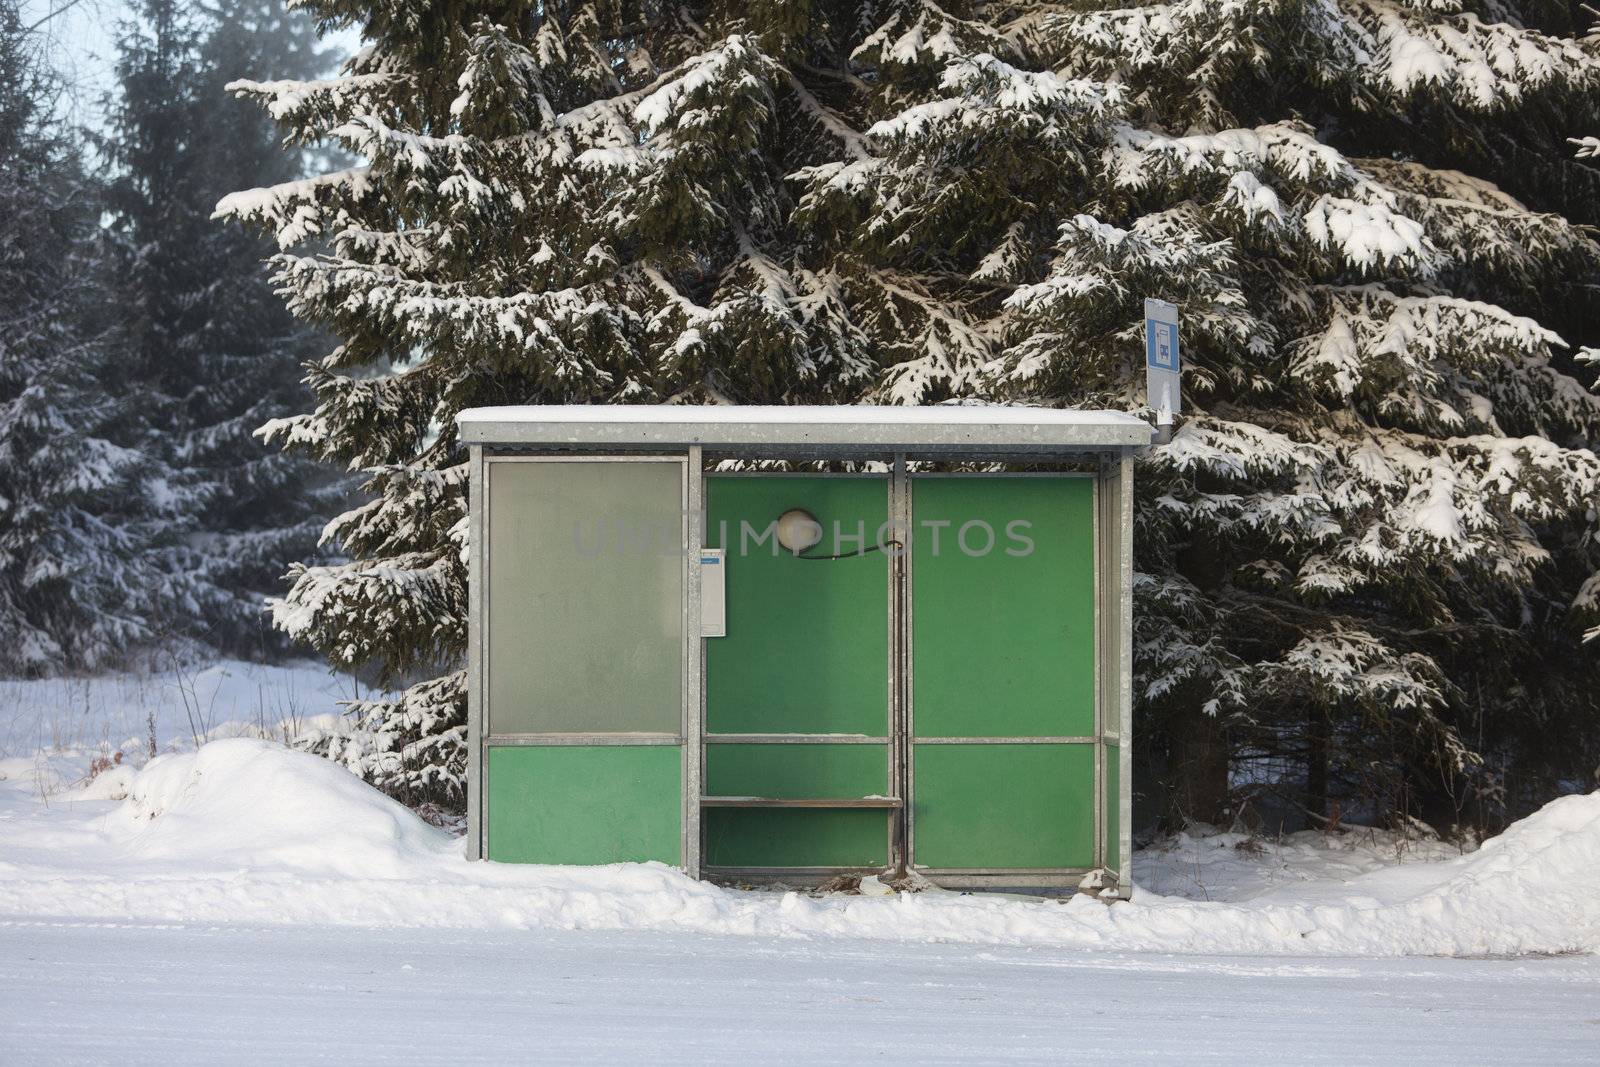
[(212, 350), (1362, 559), (83, 577)]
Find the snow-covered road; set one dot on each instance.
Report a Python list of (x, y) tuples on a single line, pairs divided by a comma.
[(147, 993)]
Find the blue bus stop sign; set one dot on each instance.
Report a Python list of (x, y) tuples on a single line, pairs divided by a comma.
[(1161, 364)]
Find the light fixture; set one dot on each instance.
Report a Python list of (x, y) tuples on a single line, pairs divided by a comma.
[(798, 530)]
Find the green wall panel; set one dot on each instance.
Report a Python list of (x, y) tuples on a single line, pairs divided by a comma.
[(807, 644), (793, 771), (1003, 644), (585, 590), (1113, 807), (795, 837), (585, 803), (1003, 805)]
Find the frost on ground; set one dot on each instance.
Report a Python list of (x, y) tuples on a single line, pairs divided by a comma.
[(245, 831)]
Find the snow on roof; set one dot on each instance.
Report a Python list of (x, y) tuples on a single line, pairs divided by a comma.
[(866, 414), (839, 427)]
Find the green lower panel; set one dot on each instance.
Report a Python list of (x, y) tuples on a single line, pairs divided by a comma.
[(585, 803), (1003, 806), (1113, 808), (795, 837), (796, 771)]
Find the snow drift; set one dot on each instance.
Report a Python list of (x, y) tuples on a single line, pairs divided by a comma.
[(243, 802), (246, 831)]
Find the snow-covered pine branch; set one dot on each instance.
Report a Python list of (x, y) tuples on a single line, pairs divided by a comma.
[(1380, 501)]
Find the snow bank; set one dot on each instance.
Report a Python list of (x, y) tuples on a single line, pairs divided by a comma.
[(1535, 888), (246, 831), (250, 803)]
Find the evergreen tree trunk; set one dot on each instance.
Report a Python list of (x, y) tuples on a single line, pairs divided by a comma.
[(1317, 758), (1200, 769)]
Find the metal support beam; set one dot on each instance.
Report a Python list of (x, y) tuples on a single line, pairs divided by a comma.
[(694, 659), (900, 663), (1125, 668), (477, 524), (1115, 662)]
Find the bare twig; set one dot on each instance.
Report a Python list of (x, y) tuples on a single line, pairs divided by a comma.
[(62, 10)]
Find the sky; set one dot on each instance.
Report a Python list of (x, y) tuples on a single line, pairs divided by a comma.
[(81, 35)]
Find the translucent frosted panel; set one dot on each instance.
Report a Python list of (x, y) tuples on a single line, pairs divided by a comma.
[(585, 605)]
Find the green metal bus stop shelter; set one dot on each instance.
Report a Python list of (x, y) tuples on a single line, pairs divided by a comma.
[(912, 653)]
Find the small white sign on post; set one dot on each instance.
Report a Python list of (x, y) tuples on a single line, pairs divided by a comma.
[(1161, 364), (713, 593)]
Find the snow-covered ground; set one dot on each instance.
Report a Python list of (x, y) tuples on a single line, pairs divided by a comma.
[(245, 899), (188, 993), (1209, 865), (246, 831)]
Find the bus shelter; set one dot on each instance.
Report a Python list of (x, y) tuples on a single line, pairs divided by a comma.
[(782, 644)]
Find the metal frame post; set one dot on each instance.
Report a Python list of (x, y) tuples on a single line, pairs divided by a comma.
[(900, 665), (694, 659), (1125, 669), (1115, 667), (477, 507)]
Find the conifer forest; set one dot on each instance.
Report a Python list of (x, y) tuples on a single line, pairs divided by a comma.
[(249, 278)]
